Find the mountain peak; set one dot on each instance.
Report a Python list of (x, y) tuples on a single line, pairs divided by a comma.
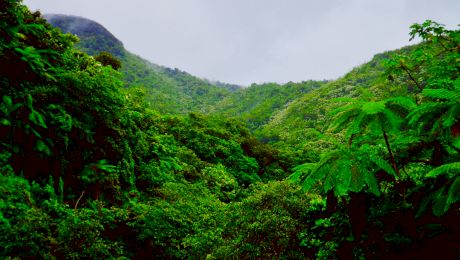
[(94, 37)]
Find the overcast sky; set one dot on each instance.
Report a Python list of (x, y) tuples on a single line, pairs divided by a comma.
[(247, 41)]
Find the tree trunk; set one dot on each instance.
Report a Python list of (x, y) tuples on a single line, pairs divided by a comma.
[(392, 159)]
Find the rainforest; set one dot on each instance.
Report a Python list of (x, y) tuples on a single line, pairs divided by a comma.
[(106, 155)]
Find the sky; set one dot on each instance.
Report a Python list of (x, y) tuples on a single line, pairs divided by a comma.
[(257, 41)]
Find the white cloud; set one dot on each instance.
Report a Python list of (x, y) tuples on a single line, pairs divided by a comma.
[(245, 41)]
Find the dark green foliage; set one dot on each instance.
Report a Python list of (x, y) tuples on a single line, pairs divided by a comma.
[(107, 59)]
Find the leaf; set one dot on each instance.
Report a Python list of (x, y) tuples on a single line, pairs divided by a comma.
[(384, 165), (42, 147), (441, 94), (439, 202), (4, 121), (8, 101), (312, 178), (405, 102), (451, 169), (372, 108), (37, 119), (426, 110), (29, 102), (301, 171), (423, 206), (453, 195), (451, 116), (372, 183), (456, 143), (342, 177)]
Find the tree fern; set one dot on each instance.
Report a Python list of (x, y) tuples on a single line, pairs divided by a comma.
[(343, 171), (448, 194)]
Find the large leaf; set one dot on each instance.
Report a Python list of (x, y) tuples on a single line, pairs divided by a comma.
[(453, 195), (441, 94), (372, 108), (439, 202), (384, 165), (372, 183), (450, 169)]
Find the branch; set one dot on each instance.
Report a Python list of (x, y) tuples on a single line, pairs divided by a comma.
[(411, 77), (76, 204)]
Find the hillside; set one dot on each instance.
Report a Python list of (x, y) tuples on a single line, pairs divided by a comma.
[(167, 90), (258, 103)]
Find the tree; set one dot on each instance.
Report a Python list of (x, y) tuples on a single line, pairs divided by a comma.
[(107, 59), (374, 118)]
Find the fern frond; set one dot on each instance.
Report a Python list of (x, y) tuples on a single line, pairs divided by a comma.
[(316, 174), (342, 177), (425, 109), (301, 171), (450, 169), (456, 143), (453, 195), (372, 108), (441, 94), (372, 183), (392, 121), (355, 126), (348, 107), (404, 102), (384, 165), (451, 116), (439, 202), (341, 119)]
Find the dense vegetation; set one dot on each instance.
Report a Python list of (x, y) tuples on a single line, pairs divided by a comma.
[(363, 167)]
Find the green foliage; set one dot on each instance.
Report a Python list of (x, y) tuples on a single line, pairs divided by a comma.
[(89, 170), (107, 59), (254, 231)]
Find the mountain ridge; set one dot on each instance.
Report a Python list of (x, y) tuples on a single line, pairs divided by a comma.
[(168, 90)]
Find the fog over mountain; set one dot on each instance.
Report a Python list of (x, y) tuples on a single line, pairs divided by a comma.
[(258, 41)]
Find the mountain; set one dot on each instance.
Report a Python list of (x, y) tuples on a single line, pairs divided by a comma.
[(167, 90), (94, 38), (369, 166)]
